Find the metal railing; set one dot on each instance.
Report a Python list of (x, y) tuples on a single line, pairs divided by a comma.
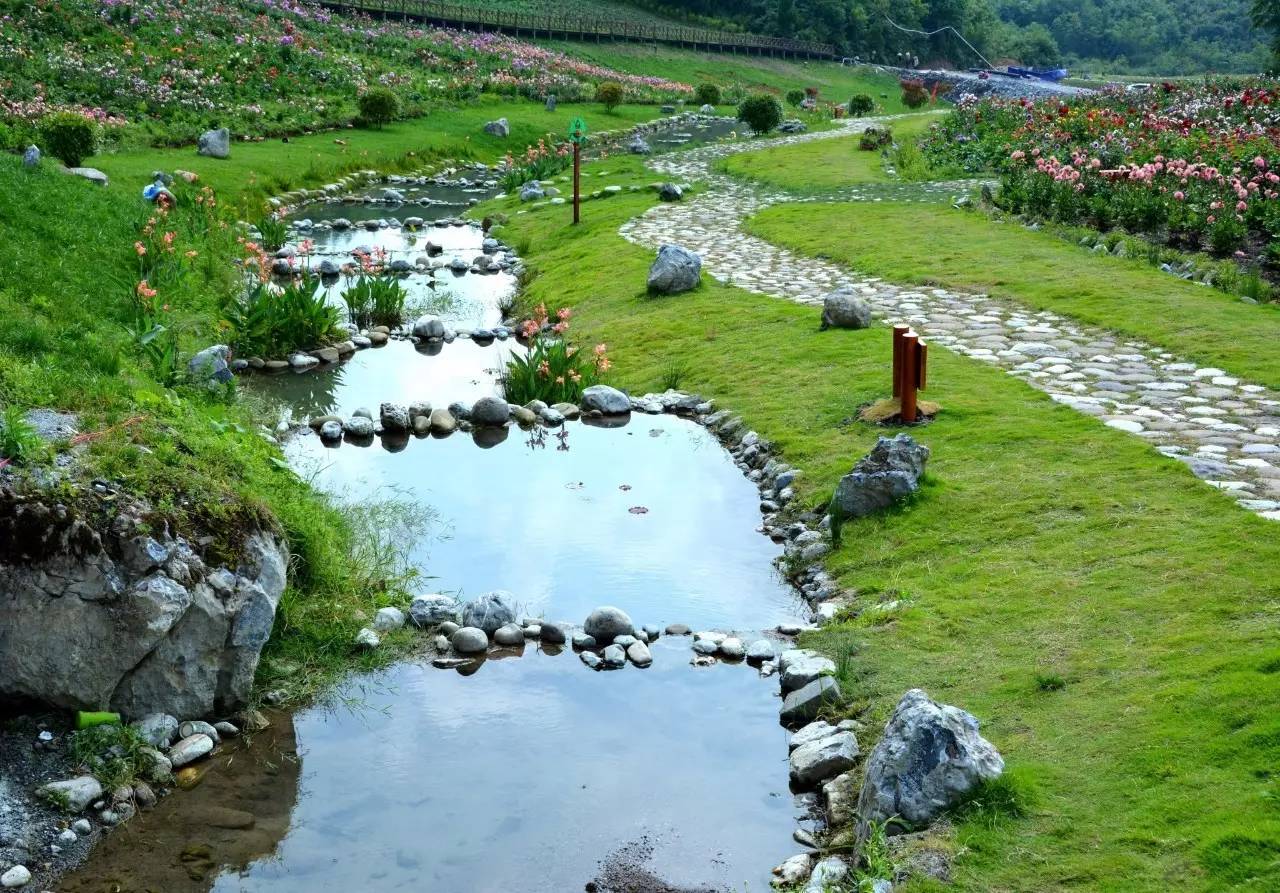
[(581, 27)]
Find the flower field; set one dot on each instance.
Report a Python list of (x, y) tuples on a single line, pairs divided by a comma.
[(158, 73), (1196, 166)]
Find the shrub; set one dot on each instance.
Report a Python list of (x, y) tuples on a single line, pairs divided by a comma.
[(554, 370), (274, 232), (914, 94), (69, 137), (18, 439), (375, 301), (795, 97), (378, 106), (861, 104), (874, 139), (707, 94), (609, 94), (761, 112)]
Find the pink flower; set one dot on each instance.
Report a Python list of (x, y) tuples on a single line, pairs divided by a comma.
[(1179, 195)]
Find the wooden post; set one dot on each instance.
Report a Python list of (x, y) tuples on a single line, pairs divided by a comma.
[(577, 180), (922, 364), (898, 332), (908, 387)]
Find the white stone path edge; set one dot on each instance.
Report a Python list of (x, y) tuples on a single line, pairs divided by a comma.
[(1226, 430)]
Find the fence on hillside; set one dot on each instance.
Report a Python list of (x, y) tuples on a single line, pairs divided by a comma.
[(573, 27)]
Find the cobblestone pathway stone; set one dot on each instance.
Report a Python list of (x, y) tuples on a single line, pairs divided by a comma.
[(1225, 429)]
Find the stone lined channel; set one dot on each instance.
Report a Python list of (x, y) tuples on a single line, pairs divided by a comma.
[(523, 769), (1225, 429)]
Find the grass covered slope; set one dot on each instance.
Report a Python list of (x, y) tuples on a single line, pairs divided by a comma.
[(1110, 620), (932, 245), (823, 165)]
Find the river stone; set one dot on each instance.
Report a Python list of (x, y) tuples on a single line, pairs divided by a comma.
[(638, 146), (638, 653), (890, 472), (841, 796), (76, 793), (498, 128), (800, 667), (331, 431), (624, 640), (441, 643), (394, 416), (490, 411), (705, 646), (226, 729), (429, 328), (816, 761), (675, 270), (448, 628), (614, 657), (793, 871), (670, 192), (525, 418), (469, 640), (432, 610), (930, 759), (160, 768), (826, 875), (590, 658), (677, 629), (732, 648), (358, 426), (531, 192), (582, 640), (209, 366), (198, 727), (533, 631), (509, 635), (605, 399), (367, 638), (814, 731), (804, 704), (17, 876), (157, 729), (214, 143), (845, 309), (554, 633), (388, 619), (607, 623), (760, 650), (442, 421), (188, 750), (490, 611)]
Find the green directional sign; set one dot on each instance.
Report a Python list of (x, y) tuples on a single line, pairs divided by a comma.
[(578, 131)]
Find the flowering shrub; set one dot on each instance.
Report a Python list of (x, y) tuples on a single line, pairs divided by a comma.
[(539, 162), (172, 70), (1191, 165), (554, 370)]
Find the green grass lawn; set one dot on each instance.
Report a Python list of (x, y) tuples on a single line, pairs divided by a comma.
[(823, 165), (1043, 545), (836, 83), (931, 245), (272, 166)]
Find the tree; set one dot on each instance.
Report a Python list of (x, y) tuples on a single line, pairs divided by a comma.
[(378, 106), (707, 94), (609, 94), (760, 112), (1266, 16), (69, 137)]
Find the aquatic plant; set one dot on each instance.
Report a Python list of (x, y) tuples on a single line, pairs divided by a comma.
[(271, 320), (554, 370), (274, 231), (375, 301)]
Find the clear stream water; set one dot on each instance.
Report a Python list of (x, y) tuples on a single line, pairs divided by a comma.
[(527, 771)]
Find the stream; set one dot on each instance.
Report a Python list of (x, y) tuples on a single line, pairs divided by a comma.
[(526, 770)]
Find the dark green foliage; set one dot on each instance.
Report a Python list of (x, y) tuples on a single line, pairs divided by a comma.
[(794, 98), (761, 112), (378, 106), (609, 94), (274, 232), (707, 94), (68, 137), (914, 93), (861, 104), (375, 301), (18, 440), (873, 139), (273, 323)]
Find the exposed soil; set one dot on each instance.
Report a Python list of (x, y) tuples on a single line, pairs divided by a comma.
[(625, 871)]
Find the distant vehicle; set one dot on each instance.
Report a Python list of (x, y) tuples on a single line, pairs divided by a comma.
[(1044, 74), (1137, 88)]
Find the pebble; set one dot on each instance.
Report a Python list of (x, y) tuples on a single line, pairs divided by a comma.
[(17, 876)]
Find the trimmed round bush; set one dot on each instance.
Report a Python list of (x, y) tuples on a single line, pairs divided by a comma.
[(69, 137), (707, 94), (861, 104), (761, 112), (794, 98), (378, 106), (914, 94), (609, 94)]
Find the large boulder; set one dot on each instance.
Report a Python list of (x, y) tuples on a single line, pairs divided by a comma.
[(674, 270), (602, 398), (429, 328), (890, 472), (929, 760), (490, 412), (531, 192), (499, 128), (106, 616), (490, 612), (215, 143), (638, 146), (209, 366), (607, 623), (843, 309)]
